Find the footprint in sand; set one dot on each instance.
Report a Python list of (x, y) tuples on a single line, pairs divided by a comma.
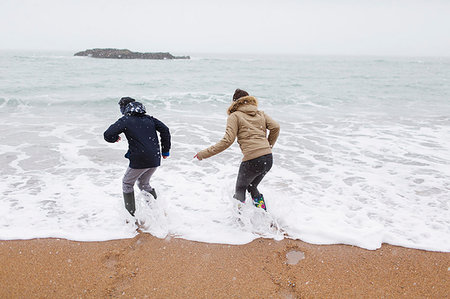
[(294, 256)]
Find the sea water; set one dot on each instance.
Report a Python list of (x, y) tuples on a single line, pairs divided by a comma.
[(363, 156)]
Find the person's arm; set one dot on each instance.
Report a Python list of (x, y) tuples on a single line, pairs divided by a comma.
[(164, 134), (224, 143), (112, 133), (274, 130)]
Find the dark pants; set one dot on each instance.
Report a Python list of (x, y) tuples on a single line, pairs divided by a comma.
[(251, 173)]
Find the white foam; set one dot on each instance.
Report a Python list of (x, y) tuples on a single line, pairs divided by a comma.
[(371, 185)]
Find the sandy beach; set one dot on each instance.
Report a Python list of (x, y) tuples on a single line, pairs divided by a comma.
[(148, 267)]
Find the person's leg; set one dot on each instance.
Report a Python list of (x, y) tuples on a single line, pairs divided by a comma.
[(253, 187), (245, 176), (251, 172), (129, 178), (143, 181), (264, 164)]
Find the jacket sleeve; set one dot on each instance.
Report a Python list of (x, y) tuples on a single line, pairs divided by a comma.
[(112, 133), (164, 134), (274, 130), (225, 142)]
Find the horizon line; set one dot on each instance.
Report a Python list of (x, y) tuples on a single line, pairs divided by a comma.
[(274, 53)]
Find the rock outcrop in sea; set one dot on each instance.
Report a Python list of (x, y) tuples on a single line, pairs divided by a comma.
[(127, 54)]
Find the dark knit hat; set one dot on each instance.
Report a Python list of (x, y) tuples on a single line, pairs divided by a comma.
[(239, 93), (124, 102)]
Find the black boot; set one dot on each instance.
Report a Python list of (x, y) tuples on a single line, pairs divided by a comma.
[(129, 202), (153, 192)]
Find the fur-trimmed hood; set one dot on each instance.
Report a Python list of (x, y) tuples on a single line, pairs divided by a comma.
[(247, 104)]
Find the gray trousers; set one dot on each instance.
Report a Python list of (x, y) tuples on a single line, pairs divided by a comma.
[(142, 176)]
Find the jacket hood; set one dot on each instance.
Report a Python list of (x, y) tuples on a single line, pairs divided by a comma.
[(134, 108), (247, 104)]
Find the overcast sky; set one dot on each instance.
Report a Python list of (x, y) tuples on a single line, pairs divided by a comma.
[(348, 27)]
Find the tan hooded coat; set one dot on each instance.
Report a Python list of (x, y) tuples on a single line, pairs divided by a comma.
[(250, 127)]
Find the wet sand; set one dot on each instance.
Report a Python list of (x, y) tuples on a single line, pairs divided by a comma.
[(148, 267)]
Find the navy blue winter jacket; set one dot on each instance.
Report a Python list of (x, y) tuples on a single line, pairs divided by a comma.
[(140, 130)]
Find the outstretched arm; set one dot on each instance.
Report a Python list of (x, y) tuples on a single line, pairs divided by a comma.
[(224, 143), (112, 133)]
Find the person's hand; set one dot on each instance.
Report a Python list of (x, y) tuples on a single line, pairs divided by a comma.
[(118, 139), (196, 156)]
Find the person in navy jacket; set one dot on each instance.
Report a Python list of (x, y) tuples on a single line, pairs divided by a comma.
[(144, 151)]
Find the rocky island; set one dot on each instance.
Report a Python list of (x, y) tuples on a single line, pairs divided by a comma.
[(127, 54)]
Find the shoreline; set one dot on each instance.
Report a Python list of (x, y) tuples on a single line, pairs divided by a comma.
[(148, 267)]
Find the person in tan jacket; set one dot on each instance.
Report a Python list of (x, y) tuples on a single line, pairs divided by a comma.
[(250, 126)]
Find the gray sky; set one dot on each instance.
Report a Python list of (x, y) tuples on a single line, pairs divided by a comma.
[(349, 27)]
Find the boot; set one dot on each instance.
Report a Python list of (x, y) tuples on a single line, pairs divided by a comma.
[(129, 202), (148, 193), (153, 192), (259, 202)]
